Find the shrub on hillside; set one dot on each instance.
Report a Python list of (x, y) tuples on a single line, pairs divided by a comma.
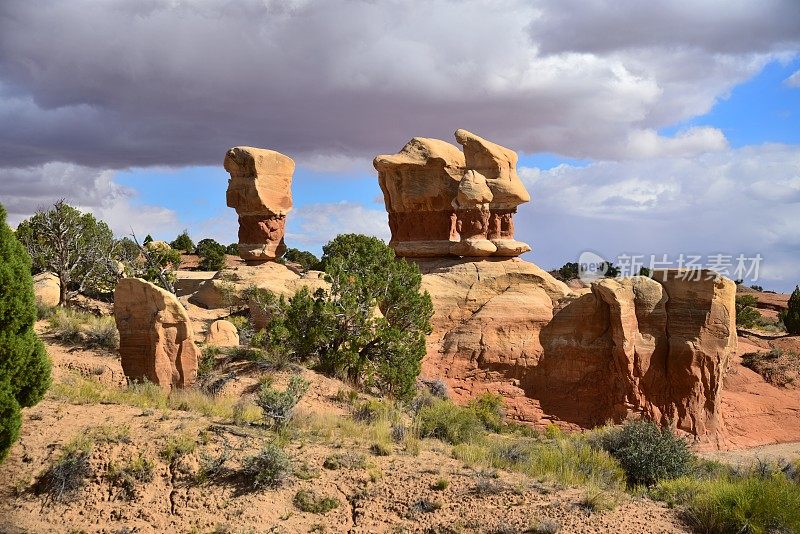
[(268, 469), (81, 328), (647, 452), (303, 258), (64, 479), (24, 366), (449, 422), (212, 255), (278, 406)]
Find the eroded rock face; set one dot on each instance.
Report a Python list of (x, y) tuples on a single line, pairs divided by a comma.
[(581, 357), (260, 190), (156, 338), (444, 202)]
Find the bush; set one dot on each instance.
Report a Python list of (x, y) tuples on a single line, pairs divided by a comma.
[(212, 255), (647, 452), (183, 243), (24, 366), (309, 501), (345, 460), (746, 314), (232, 249), (279, 406), (489, 409), (448, 422), (269, 468), (748, 504), (791, 319)]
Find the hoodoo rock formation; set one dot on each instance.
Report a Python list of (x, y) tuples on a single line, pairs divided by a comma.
[(621, 348), (156, 341), (260, 190), (655, 347), (444, 202)]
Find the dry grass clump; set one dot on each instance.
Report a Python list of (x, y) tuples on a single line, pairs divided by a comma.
[(128, 476), (565, 461), (778, 367), (309, 501), (145, 395), (66, 476), (81, 328)]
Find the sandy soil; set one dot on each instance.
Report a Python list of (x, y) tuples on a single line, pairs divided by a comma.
[(391, 494)]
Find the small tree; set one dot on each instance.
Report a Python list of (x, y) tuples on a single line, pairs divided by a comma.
[(791, 318), (183, 243), (278, 406), (75, 246), (24, 366), (232, 249), (212, 255), (154, 261)]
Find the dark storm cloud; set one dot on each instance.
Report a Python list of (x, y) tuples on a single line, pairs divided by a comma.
[(121, 83)]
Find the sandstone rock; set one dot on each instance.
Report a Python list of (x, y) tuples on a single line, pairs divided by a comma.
[(222, 333), (47, 288), (156, 338), (442, 202), (623, 348), (260, 189), (226, 287)]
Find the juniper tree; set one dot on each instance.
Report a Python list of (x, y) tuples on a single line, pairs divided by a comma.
[(24, 366), (791, 318)]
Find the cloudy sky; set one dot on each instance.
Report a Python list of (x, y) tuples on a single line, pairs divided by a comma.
[(668, 127)]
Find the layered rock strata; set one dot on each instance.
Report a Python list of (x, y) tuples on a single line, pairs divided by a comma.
[(445, 202), (260, 190)]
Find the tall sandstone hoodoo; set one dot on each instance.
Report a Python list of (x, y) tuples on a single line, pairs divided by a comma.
[(621, 348), (156, 341), (260, 190), (444, 202)]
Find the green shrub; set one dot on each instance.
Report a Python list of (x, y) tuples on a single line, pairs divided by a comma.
[(345, 460), (212, 255), (305, 259), (24, 366), (448, 422), (647, 452), (183, 243), (440, 485), (177, 446), (268, 469), (791, 319), (750, 504), (278, 406), (489, 409), (746, 314), (309, 501)]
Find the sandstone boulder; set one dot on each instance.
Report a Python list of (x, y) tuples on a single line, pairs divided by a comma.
[(226, 287), (260, 190), (444, 202), (156, 337), (47, 288), (622, 348), (222, 333)]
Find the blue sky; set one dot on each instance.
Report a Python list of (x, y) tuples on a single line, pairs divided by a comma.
[(650, 128)]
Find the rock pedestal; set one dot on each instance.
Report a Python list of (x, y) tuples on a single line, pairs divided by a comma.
[(260, 190), (156, 339), (444, 202)]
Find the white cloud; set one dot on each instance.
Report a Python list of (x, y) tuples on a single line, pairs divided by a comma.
[(25, 190), (793, 80), (313, 225), (736, 201)]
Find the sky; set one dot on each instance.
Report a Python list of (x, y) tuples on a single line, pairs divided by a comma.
[(665, 129)]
